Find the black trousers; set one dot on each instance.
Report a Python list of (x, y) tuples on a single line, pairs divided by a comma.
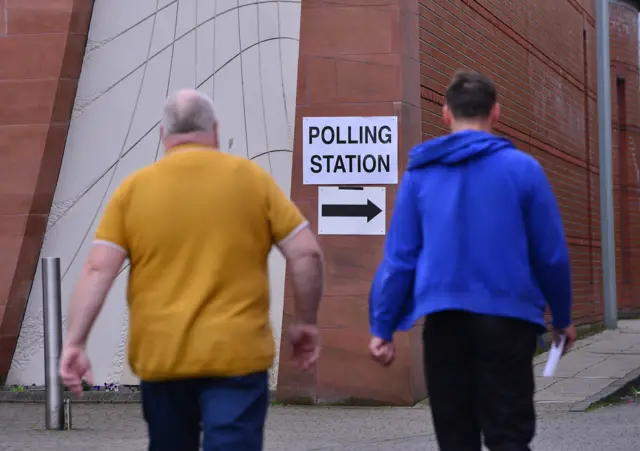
[(479, 372)]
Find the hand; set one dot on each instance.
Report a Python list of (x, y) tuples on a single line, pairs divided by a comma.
[(305, 341), (74, 367), (569, 332), (383, 352)]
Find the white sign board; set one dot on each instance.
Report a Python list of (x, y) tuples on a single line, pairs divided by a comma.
[(350, 150), (352, 210)]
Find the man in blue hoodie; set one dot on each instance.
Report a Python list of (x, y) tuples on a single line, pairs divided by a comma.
[(476, 245)]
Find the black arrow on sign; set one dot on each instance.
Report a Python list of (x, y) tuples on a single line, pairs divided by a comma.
[(369, 211)]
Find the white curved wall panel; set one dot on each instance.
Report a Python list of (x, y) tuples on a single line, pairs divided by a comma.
[(244, 53)]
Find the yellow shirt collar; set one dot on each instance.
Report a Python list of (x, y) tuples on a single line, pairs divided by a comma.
[(189, 147)]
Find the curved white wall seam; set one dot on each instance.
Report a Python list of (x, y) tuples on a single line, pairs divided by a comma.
[(244, 53)]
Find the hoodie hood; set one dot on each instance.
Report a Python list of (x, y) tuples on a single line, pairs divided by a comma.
[(456, 148)]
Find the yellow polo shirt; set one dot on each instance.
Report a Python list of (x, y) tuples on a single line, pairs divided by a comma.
[(198, 226)]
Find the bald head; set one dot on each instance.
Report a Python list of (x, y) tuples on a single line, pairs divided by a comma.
[(189, 111)]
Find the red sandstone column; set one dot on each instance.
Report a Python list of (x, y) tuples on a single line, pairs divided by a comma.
[(354, 61), (41, 48)]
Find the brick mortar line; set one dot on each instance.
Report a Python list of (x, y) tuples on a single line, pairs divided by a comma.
[(521, 41), (526, 136)]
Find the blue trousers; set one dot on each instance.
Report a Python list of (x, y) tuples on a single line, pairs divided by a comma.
[(230, 411)]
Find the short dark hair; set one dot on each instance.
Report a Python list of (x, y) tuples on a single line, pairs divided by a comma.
[(471, 95)]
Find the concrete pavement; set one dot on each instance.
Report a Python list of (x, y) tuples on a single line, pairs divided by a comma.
[(101, 427), (597, 367)]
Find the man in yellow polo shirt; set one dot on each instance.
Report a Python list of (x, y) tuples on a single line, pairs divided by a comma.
[(197, 227)]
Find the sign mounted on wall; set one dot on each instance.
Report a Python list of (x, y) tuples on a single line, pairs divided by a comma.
[(350, 150), (351, 210)]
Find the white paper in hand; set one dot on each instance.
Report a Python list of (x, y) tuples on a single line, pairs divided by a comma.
[(554, 357)]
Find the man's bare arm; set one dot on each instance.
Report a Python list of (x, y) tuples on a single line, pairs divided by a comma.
[(306, 265), (91, 291)]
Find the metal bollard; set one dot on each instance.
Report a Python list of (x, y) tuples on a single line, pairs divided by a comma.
[(52, 307)]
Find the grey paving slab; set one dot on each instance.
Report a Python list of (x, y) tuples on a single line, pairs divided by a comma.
[(574, 362), (573, 389), (629, 324), (615, 366), (555, 407), (542, 383), (566, 400), (614, 344)]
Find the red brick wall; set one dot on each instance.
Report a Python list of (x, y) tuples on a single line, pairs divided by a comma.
[(626, 122), (542, 56)]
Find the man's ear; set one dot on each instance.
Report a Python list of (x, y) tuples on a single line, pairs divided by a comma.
[(446, 116), (216, 138), (496, 111), (161, 131)]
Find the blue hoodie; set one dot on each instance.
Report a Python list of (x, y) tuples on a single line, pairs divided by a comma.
[(476, 228)]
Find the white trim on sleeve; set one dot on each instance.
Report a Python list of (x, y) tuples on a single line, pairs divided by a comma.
[(111, 245), (293, 233)]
